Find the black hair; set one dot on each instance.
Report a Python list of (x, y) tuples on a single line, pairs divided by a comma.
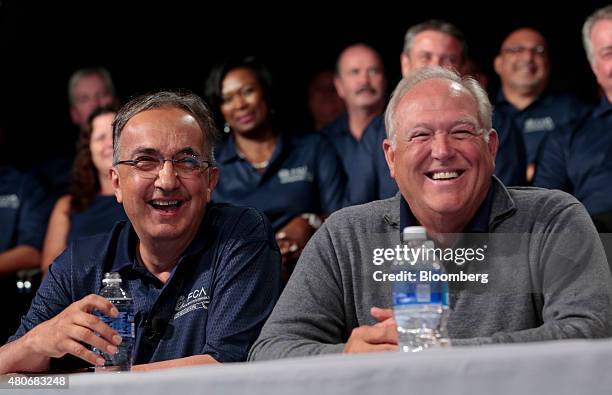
[(218, 73)]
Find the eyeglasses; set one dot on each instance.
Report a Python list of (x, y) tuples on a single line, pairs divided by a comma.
[(185, 165), (519, 50)]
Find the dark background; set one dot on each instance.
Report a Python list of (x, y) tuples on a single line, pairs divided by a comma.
[(149, 46)]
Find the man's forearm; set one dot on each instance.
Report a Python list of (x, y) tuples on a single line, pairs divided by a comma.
[(175, 363), (17, 356)]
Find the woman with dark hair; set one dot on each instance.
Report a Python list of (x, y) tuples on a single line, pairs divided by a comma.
[(91, 206), (296, 180)]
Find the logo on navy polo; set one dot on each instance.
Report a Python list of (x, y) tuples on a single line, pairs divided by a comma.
[(9, 201), (295, 174), (195, 300), (539, 125)]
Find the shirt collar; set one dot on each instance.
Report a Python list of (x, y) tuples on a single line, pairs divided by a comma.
[(125, 256), (603, 108), (340, 125), (227, 150), (228, 153), (500, 99), (478, 224), (126, 249)]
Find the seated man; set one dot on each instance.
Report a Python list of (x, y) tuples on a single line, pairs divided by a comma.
[(441, 152), (176, 245)]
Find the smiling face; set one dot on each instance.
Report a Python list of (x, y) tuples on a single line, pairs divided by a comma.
[(432, 48), (360, 81), (601, 43), (441, 162), (167, 207), (101, 142), (523, 64), (89, 93), (242, 101)]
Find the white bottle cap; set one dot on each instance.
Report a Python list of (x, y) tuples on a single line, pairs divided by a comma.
[(414, 233), (112, 278)]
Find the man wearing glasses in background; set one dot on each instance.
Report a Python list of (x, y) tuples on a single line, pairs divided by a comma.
[(177, 246), (523, 66)]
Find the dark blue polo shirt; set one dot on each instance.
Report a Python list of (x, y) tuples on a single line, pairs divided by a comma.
[(219, 295), (548, 113), (363, 161), (24, 210), (578, 160), (511, 159), (304, 176), (478, 224)]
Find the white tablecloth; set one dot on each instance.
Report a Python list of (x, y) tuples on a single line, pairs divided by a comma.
[(568, 367)]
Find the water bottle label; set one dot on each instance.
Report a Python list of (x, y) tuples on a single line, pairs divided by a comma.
[(123, 324), (414, 298), (423, 293), (408, 292)]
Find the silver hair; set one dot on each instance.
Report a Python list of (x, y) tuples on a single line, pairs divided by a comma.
[(485, 110), (436, 25), (81, 73), (186, 101), (602, 13)]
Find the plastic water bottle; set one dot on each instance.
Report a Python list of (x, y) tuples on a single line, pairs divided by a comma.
[(123, 324), (420, 304)]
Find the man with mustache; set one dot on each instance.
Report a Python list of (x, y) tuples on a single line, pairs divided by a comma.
[(360, 82)]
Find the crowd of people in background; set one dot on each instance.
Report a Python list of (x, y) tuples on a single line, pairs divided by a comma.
[(298, 177)]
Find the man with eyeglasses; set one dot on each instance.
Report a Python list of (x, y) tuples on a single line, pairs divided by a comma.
[(203, 276), (523, 66), (544, 283)]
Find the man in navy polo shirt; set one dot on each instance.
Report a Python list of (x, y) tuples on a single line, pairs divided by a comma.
[(360, 82), (523, 67), (204, 277), (577, 160)]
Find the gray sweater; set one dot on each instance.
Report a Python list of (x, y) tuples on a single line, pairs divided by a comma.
[(548, 278)]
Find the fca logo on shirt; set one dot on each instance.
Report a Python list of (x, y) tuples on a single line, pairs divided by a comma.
[(196, 294), (196, 299)]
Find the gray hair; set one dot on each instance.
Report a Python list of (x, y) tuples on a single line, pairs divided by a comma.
[(186, 101), (485, 110), (81, 73), (602, 13), (436, 25)]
